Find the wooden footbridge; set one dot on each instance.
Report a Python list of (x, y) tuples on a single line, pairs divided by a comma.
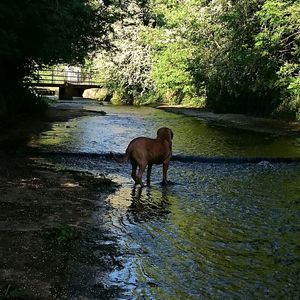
[(71, 81)]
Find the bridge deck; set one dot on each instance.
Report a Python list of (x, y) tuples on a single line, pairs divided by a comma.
[(79, 85), (62, 78)]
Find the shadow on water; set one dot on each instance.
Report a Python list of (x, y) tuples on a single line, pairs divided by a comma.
[(227, 228)]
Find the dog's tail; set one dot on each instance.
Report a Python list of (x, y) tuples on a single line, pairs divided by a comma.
[(120, 160), (125, 156)]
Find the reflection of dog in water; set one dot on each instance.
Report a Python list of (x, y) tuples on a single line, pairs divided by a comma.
[(143, 152), (148, 204)]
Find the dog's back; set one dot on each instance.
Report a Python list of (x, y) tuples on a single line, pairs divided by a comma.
[(143, 149)]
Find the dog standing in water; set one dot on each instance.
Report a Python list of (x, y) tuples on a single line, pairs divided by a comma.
[(143, 152)]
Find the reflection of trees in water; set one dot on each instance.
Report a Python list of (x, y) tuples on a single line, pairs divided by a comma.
[(148, 203)]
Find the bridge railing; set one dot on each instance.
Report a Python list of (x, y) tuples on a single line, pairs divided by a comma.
[(59, 77)]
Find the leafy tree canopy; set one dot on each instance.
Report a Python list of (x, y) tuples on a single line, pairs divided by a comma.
[(49, 32)]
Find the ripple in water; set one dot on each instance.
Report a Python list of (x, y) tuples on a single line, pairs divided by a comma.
[(232, 231)]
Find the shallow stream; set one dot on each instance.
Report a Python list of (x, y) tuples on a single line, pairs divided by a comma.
[(219, 230)]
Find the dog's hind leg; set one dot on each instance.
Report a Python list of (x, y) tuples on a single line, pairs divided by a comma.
[(149, 173), (139, 176), (133, 171)]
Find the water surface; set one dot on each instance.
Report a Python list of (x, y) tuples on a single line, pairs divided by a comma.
[(98, 134), (218, 231)]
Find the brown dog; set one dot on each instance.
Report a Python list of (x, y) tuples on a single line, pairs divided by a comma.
[(144, 152)]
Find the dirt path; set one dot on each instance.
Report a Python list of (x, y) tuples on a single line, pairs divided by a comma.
[(48, 239), (244, 122)]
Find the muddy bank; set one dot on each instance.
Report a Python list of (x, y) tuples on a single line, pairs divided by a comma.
[(244, 122), (46, 229), (51, 245)]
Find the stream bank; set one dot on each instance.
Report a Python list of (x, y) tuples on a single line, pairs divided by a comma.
[(244, 122)]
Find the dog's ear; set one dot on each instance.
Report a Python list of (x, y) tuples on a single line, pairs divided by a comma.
[(172, 134)]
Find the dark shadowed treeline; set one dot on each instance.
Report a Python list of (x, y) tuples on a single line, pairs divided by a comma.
[(39, 32)]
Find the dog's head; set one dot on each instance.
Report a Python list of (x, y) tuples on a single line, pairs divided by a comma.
[(165, 133)]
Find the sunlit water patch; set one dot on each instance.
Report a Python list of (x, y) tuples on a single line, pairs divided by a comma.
[(112, 132)]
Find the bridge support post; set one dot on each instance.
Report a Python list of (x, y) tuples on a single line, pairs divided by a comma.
[(69, 91), (62, 93)]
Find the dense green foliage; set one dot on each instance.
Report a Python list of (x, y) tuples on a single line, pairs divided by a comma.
[(244, 73), (126, 67), (240, 56), (44, 32), (278, 43)]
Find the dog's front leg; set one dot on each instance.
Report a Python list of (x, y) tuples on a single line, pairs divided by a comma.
[(149, 173), (165, 171)]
